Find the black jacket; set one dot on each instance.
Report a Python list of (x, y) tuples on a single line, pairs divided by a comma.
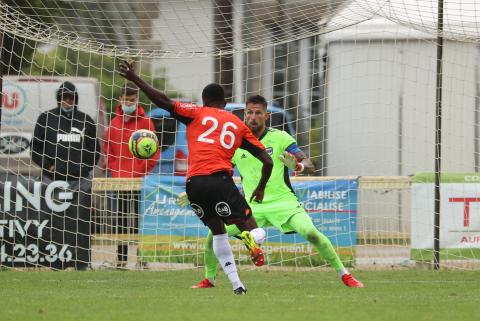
[(67, 141)]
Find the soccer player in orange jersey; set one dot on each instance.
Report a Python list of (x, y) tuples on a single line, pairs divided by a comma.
[(213, 136)]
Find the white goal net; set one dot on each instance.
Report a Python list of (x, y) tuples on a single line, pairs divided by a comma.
[(354, 82)]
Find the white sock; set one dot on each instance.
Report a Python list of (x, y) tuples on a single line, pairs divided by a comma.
[(224, 254), (258, 235), (343, 271)]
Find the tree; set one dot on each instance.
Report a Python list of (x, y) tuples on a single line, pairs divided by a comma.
[(24, 56), (61, 61), (122, 24), (12, 46)]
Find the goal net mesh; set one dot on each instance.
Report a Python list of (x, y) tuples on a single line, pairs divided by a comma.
[(354, 82)]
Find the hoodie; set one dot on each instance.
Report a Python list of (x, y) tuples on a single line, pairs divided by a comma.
[(66, 141), (119, 161)]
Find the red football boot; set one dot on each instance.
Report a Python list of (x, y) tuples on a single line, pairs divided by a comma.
[(351, 282), (204, 284)]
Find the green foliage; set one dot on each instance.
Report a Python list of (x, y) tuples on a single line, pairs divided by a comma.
[(28, 57), (74, 16), (60, 61), (12, 45)]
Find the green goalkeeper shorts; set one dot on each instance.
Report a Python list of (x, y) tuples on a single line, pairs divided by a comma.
[(276, 213)]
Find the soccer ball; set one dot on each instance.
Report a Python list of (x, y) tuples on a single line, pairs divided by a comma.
[(143, 144)]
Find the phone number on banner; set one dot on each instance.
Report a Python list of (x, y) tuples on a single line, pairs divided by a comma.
[(31, 253)]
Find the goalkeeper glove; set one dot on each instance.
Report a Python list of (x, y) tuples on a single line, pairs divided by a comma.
[(183, 199), (291, 162)]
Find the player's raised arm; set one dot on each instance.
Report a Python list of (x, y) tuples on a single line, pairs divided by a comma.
[(156, 96)]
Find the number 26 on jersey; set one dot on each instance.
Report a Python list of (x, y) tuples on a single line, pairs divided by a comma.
[(212, 124)]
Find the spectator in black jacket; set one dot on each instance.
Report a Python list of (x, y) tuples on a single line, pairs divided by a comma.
[(65, 141)]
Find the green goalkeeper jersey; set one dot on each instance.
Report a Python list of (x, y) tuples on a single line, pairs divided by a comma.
[(250, 168)]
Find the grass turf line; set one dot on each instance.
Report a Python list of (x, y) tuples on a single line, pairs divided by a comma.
[(130, 295)]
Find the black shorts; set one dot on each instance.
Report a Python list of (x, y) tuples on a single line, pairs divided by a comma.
[(216, 195)]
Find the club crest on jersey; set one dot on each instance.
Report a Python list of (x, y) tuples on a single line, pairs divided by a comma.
[(197, 210), (269, 150), (243, 156), (223, 209)]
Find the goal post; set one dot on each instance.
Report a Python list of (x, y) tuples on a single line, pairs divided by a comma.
[(353, 82)]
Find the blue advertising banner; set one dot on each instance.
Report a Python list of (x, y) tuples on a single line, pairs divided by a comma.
[(332, 206), (159, 212)]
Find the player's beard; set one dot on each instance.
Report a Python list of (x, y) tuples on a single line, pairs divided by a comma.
[(256, 128)]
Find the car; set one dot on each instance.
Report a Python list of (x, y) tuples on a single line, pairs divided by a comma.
[(172, 136), (24, 99)]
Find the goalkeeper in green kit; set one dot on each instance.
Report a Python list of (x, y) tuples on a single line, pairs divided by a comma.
[(280, 207)]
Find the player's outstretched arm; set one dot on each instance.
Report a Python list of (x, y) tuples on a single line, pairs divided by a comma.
[(267, 162), (308, 167), (298, 162), (156, 96)]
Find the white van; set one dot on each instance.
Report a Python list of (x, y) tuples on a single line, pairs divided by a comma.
[(24, 99)]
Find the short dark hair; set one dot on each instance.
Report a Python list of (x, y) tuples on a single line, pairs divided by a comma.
[(213, 92), (129, 89), (257, 99)]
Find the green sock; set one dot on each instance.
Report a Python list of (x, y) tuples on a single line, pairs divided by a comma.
[(211, 261), (303, 225)]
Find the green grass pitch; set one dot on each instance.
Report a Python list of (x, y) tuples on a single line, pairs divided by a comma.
[(129, 295)]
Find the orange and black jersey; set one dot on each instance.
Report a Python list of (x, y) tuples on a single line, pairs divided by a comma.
[(213, 136)]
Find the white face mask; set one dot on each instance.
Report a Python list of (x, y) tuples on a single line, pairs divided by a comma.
[(129, 109)]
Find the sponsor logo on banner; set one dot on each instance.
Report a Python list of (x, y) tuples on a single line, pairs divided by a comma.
[(13, 99), (459, 208), (17, 144), (472, 178)]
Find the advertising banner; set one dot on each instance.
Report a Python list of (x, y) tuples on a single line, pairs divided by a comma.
[(166, 227), (459, 211), (44, 223)]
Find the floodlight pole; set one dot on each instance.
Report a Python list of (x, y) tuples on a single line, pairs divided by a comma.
[(476, 147), (438, 139), (223, 42)]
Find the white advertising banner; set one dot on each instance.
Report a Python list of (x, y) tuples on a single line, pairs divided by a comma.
[(459, 215)]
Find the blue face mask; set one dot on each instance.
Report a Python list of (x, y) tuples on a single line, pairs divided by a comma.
[(128, 110), (67, 110)]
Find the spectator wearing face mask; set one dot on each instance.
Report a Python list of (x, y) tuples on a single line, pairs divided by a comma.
[(64, 143), (130, 116)]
